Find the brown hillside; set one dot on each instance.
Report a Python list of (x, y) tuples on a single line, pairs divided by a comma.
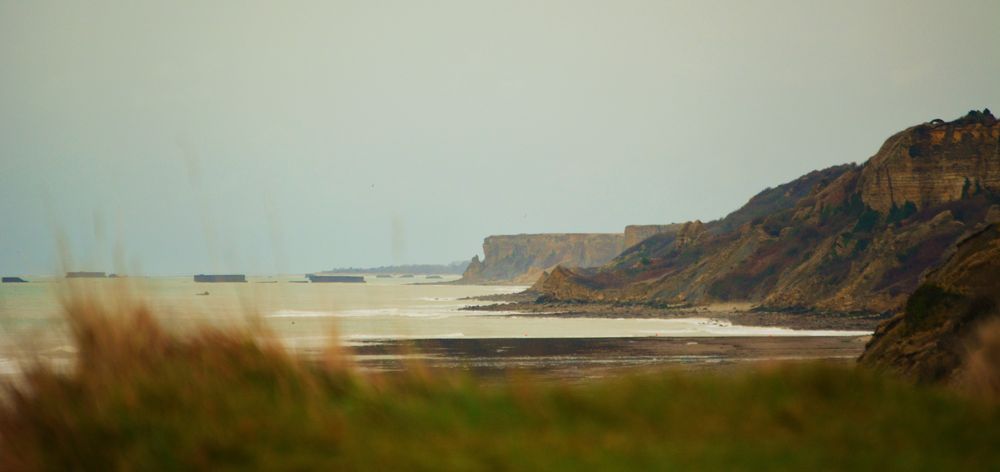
[(848, 241)]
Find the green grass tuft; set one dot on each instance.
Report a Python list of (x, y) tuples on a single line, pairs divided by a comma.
[(143, 399)]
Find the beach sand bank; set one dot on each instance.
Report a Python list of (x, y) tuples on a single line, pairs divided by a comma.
[(589, 358)]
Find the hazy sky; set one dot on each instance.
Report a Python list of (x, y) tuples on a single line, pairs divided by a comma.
[(266, 137)]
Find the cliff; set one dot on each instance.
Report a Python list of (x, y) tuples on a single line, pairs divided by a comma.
[(522, 258), (840, 239), (934, 163), (635, 234), (932, 339)]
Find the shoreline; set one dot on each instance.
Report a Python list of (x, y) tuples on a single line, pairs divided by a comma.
[(588, 358), (740, 314)]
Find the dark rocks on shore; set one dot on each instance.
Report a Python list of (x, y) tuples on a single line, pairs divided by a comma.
[(530, 304)]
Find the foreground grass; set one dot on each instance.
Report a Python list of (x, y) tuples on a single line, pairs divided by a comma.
[(143, 399)]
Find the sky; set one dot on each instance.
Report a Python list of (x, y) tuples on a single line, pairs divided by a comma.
[(286, 137)]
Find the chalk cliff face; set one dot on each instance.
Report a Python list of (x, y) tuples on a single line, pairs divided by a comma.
[(930, 341), (839, 239), (522, 258)]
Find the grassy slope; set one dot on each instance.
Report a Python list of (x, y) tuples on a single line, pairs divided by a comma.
[(142, 399)]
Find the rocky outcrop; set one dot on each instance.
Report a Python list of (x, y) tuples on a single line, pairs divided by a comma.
[(934, 163), (635, 234), (838, 239), (474, 272), (522, 258), (689, 234), (932, 338)]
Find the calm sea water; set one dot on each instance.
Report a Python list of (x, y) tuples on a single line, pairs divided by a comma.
[(309, 316)]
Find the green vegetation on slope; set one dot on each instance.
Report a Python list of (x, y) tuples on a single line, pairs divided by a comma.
[(143, 399)]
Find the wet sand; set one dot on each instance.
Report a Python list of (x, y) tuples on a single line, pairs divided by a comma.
[(586, 358)]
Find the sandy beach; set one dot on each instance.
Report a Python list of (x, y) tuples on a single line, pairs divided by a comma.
[(743, 314), (589, 358)]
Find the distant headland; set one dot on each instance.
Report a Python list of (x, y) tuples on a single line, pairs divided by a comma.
[(454, 268)]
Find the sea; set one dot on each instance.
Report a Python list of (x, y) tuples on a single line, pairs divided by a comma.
[(308, 317)]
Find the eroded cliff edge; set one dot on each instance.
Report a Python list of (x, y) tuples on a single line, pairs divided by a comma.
[(522, 258), (845, 238)]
